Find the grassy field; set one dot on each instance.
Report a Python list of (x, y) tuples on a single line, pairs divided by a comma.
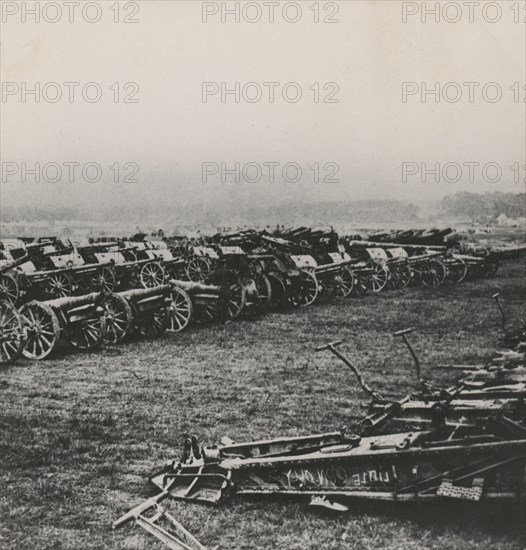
[(80, 433)]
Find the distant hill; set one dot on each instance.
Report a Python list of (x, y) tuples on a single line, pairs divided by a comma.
[(483, 207)]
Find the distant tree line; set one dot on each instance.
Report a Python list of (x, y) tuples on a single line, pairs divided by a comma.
[(484, 207), (304, 213)]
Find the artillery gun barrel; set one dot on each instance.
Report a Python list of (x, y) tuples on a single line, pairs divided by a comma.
[(328, 268), (69, 302), (374, 244), (61, 252), (141, 293), (96, 246), (261, 256), (35, 246), (192, 287)]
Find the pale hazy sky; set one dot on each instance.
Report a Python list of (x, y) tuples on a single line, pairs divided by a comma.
[(369, 53)]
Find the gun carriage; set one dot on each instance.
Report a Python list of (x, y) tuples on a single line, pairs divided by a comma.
[(278, 280), (483, 392), (49, 270), (250, 276), (471, 464), (206, 262), (400, 265), (78, 320), (333, 271), (146, 312), (174, 265), (212, 303), (201, 261), (132, 264)]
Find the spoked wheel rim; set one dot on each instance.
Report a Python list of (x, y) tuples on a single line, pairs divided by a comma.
[(60, 285), (457, 270), (236, 300), (11, 333), (9, 289), (87, 334), (152, 275), (343, 283), (42, 330), (278, 291), (198, 269), (104, 281), (434, 274), (180, 310), (378, 278), (306, 289), (118, 318)]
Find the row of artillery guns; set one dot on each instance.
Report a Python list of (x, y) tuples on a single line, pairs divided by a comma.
[(39, 327), (90, 293), (321, 262), (464, 443), (48, 268)]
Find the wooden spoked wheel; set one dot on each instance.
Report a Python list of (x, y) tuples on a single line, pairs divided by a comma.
[(11, 333), (305, 289), (118, 318), (433, 274), (42, 330), (9, 288), (198, 269), (59, 285), (343, 283), (378, 277), (152, 275), (236, 301), (103, 281), (87, 333), (180, 310), (457, 270)]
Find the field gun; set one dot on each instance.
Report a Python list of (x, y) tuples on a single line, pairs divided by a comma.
[(211, 303), (56, 272), (12, 280), (129, 270), (146, 312), (79, 320)]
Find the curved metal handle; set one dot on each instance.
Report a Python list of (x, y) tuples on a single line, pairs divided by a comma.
[(329, 345), (404, 331)]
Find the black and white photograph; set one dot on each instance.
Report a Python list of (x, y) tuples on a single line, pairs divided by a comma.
[(262, 274)]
